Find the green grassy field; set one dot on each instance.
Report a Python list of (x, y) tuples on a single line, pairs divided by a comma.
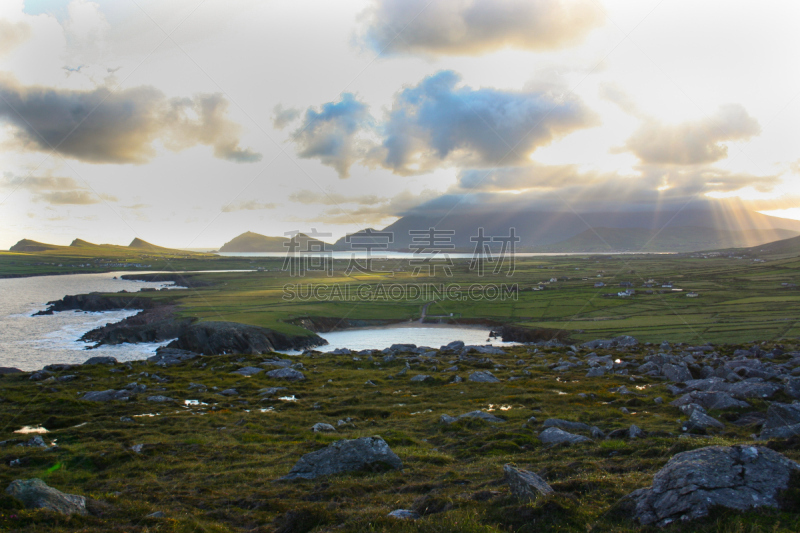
[(740, 300)]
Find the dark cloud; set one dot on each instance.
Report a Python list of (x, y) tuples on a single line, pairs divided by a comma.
[(437, 123), (692, 143), (472, 27), (12, 35), (332, 134), (101, 126), (250, 205)]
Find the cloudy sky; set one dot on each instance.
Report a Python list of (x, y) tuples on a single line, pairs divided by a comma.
[(188, 122)]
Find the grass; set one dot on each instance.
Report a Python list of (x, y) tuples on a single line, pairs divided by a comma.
[(215, 467)]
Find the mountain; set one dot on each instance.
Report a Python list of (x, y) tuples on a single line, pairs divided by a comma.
[(27, 245), (250, 242), (709, 225), (139, 244), (785, 246), (680, 239)]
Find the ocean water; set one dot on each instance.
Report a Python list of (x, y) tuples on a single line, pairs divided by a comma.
[(30, 342)]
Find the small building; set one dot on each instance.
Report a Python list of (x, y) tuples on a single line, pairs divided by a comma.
[(599, 284)]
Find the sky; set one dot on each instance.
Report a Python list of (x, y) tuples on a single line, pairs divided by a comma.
[(188, 122)]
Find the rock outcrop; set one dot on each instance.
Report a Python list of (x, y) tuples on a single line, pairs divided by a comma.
[(525, 485), (36, 494), (367, 453), (736, 477)]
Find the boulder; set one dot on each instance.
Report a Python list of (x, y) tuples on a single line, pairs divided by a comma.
[(792, 388), (36, 494), (700, 421), (483, 376), (270, 391), (159, 399), (782, 421), (677, 373), (635, 432), (525, 485), (488, 417), (9, 370), (555, 436), (248, 371), (736, 477), (421, 377), (107, 395), (101, 360), (366, 453), (710, 400), (288, 374), (455, 346), (172, 356), (595, 372), (404, 514), (566, 425), (322, 427), (230, 392)]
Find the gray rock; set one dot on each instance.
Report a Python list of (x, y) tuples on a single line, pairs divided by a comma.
[(566, 425), (677, 373), (483, 376), (286, 373), (135, 388), (159, 399), (488, 417), (421, 377), (270, 391), (635, 432), (157, 514), (36, 494), (230, 392), (658, 400), (525, 485), (710, 400), (489, 350), (700, 421), (107, 395), (137, 448), (101, 360), (198, 387), (792, 388), (595, 372), (783, 421), (40, 375), (736, 477), (596, 433), (748, 389), (172, 356), (366, 453), (404, 514), (36, 442), (555, 436), (690, 408), (322, 427), (283, 363), (248, 371), (455, 346)]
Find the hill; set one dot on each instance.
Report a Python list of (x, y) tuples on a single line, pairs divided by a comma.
[(27, 245), (784, 246), (681, 239), (250, 242), (705, 226), (139, 244)]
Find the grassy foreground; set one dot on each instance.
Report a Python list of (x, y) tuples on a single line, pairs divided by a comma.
[(213, 467)]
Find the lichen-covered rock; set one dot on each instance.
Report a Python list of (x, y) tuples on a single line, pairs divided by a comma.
[(322, 427), (288, 374), (101, 360), (525, 485), (700, 421), (710, 400), (736, 477), (555, 436), (366, 453), (783, 421), (483, 376), (107, 395), (488, 417), (248, 371), (36, 494)]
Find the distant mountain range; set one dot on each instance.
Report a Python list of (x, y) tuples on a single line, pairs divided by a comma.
[(708, 226), (81, 246), (250, 242)]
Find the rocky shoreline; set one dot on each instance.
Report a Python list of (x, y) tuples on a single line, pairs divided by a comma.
[(158, 321)]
